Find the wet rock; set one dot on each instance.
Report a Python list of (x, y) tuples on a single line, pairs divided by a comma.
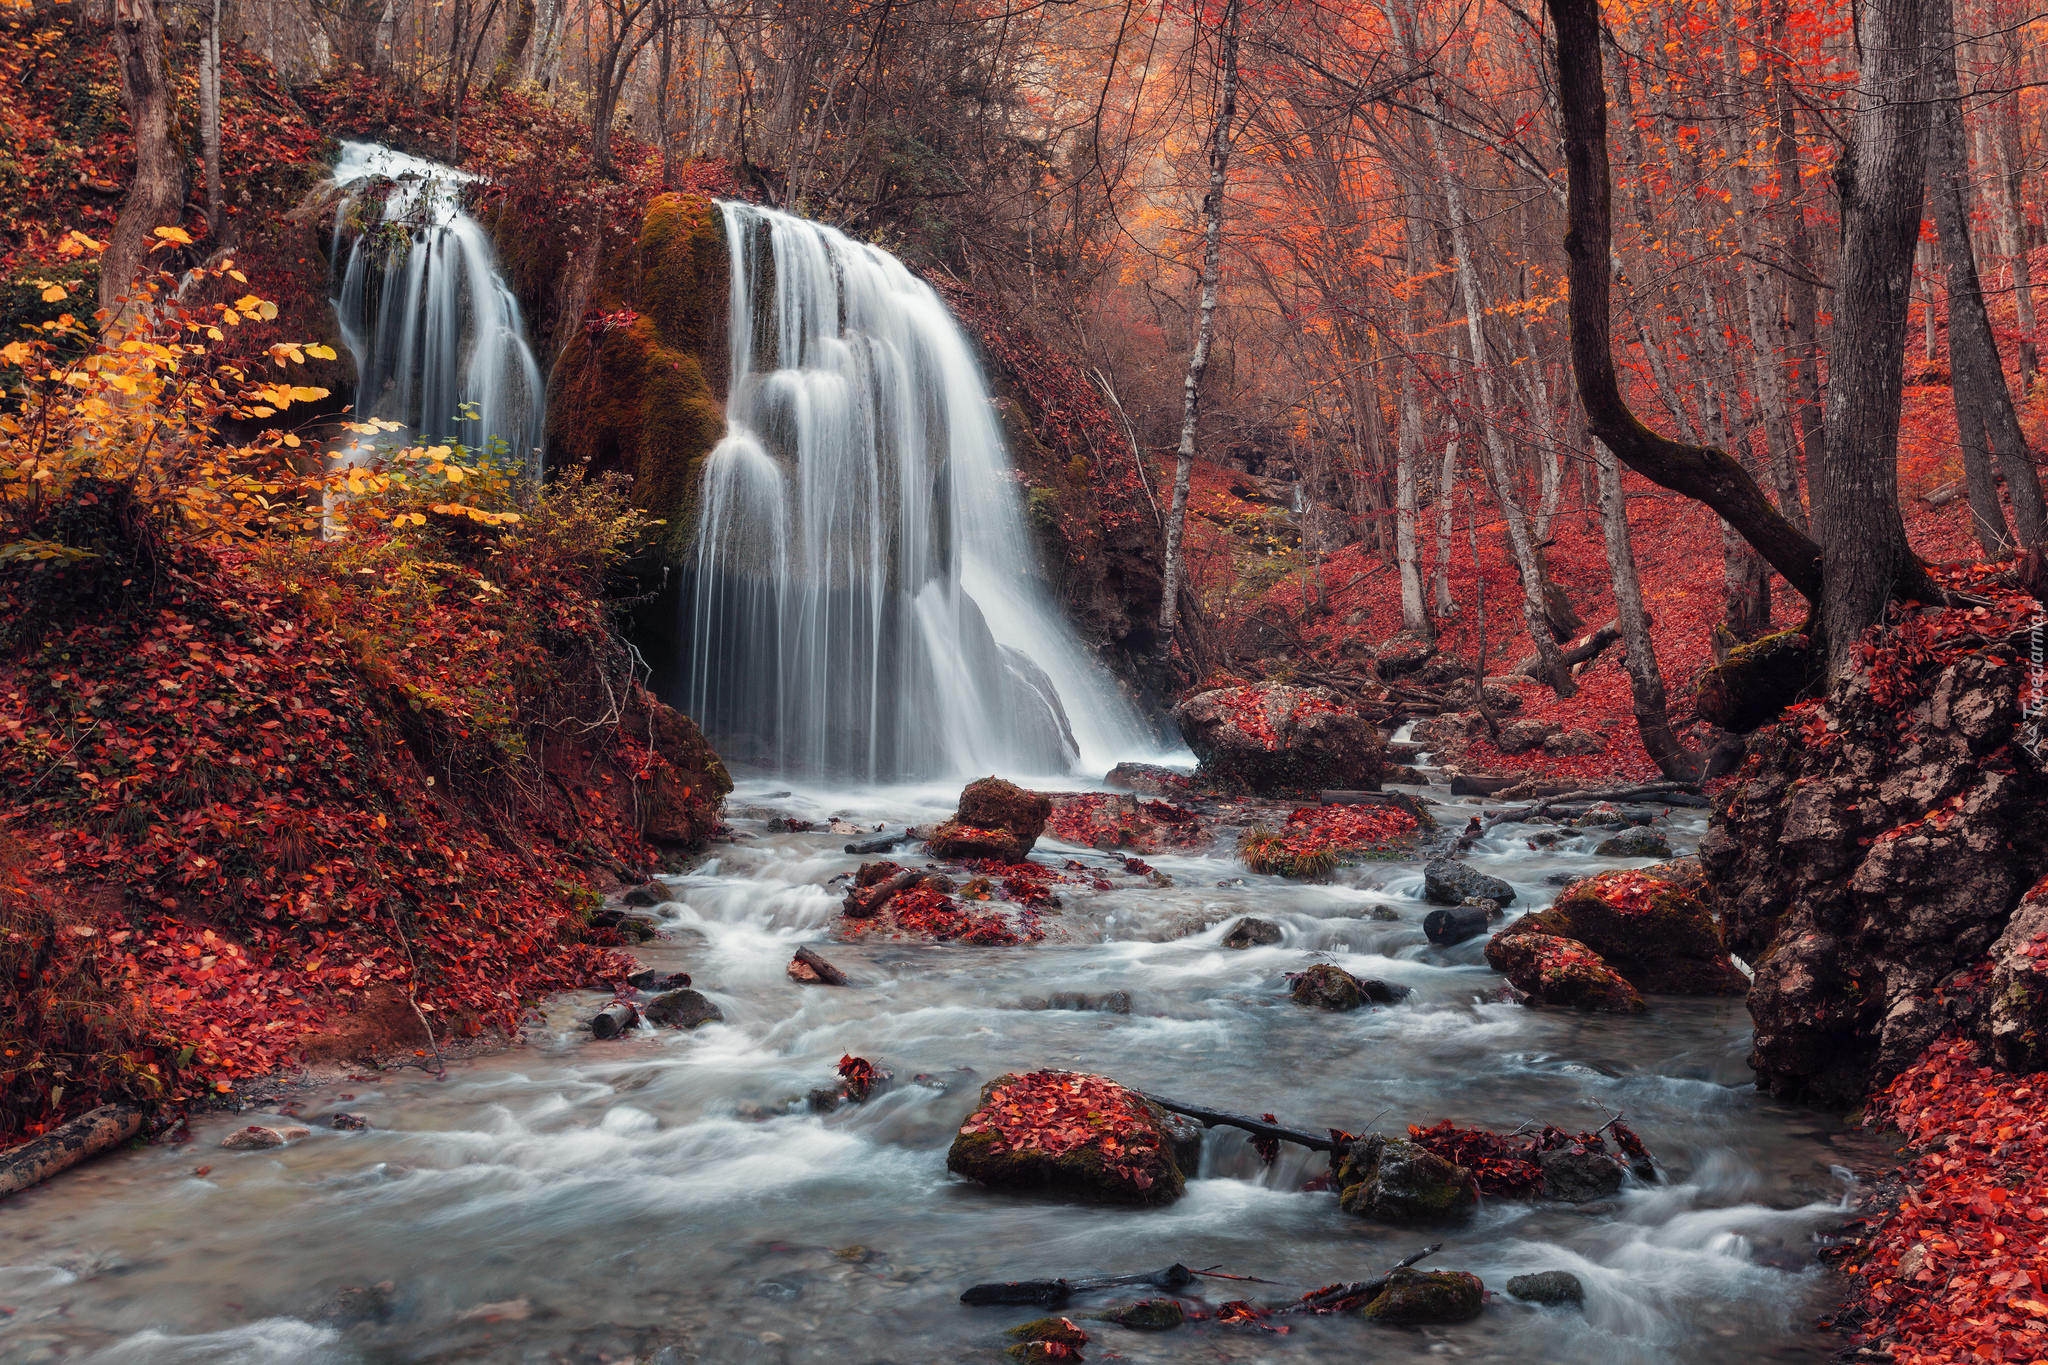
[(876, 884), (882, 845), (1383, 992), (357, 1304), (1401, 654), (1273, 737), (348, 1123), (651, 894), (853, 1255), (1653, 926), (685, 1009), (809, 969), (995, 819), (1447, 927), (1062, 1330), (1184, 1135), (1407, 776), (257, 1138), (1400, 1182), (1415, 1297), (1520, 736), (1579, 1177), (1634, 843), (651, 980), (1549, 970), (1574, 744), (1385, 914), (1326, 987), (1070, 1134), (1097, 1002), (1149, 779), (1448, 882), (1249, 932), (1555, 1287), (1150, 1315)]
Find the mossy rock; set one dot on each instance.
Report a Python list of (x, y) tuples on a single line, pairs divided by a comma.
[(1664, 941), (1413, 1297), (1090, 1172), (1061, 1330), (1550, 970), (1325, 987), (1150, 1315), (1758, 680), (1401, 1182)]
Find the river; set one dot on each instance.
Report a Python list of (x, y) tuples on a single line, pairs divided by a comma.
[(667, 1197)]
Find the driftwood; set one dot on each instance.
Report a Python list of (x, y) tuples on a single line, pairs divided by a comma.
[(1215, 1118), (809, 969), (1488, 784), (88, 1135), (882, 845), (866, 904), (1584, 651), (614, 1019), (1052, 1293), (1339, 1297)]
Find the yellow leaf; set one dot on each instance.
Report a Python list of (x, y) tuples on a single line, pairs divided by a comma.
[(238, 277), (55, 294), (291, 440), (320, 352), (16, 352), (178, 235), (268, 310), (454, 473), (216, 333), (307, 395)]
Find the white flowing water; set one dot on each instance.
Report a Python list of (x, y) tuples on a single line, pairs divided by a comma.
[(667, 1197), (864, 600), (436, 333)]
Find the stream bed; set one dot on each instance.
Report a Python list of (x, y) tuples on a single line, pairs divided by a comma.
[(668, 1197)]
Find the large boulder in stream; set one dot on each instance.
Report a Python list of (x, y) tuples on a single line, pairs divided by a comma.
[(1072, 1134), (1448, 882), (1269, 738), (1416, 1297), (1653, 926), (1403, 1182), (997, 820), (1549, 970)]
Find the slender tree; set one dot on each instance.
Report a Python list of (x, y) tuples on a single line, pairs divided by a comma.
[(157, 194)]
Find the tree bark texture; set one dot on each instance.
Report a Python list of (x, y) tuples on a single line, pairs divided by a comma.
[(158, 192), (514, 50), (1205, 325), (1986, 422), (1700, 472), (1882, 177), (83, 1137), (1639, 653)]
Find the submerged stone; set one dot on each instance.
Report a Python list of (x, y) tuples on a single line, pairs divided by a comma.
[(1249, 932), (1447, 882), (1579, 1177), (1325, 987), (1150, 1315), (1427, 1296), (685, 1009), (1556, 1287), (1402, 1182)]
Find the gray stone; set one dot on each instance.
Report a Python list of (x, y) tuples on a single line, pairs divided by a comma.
[(1579, 1177), (1520, 736), (1634, 843), (684, 1009), (1249, 932), (1573, 743), (1446, 882), (1550, 1287)]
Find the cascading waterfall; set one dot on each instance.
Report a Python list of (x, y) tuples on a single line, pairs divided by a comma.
[(863, 600), (438, 341)]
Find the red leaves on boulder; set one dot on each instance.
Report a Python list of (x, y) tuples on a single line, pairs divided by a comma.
[(1506, 1165), (1318, 839), (1057, 1112), (1101, 820)]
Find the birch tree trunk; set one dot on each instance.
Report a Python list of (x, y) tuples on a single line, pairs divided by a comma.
[(2012, 235), (1639, 654), (1446, 494), (1205, 328), (209, 116)]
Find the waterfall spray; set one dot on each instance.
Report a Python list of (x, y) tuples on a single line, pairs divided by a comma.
[(436, 333), (863, 599)]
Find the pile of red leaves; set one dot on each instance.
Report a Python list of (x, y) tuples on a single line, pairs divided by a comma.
[(1318, 839), (1101, 820), (1506, 1165), (1954, 1273), (926, 912), (1056, 1112), (858, 1076)]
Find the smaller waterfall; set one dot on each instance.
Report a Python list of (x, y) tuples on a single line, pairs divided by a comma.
[(436, 333), (863, 601)]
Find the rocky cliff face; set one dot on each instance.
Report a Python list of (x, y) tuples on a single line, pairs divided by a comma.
[(1877, 845)]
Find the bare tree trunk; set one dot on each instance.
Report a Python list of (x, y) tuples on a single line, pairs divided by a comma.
[(158, 193), (1408, 444), (1883, 176), (1986, 423), (209, 114), (1639, 657), (1205, 327), (2012, 234), (1446, 495), (514, 50)]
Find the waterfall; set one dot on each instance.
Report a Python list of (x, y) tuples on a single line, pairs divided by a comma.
[(863, 600), (436, 334)]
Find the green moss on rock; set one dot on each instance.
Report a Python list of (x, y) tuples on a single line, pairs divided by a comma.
[(1425, 1296), (1402, 1182)]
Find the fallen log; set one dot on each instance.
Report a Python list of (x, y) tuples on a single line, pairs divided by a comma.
[(614, 1019), (1488, 784), (807, 968), (884, 844), (1583, 651), (1339, 1297), (1223, 1118), (1052, 1293), (1669, 793), (86, 1136), (867, 904)]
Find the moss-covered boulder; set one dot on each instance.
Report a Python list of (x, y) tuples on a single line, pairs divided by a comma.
[(1403, 1182), (1272, 737), (1150, 1315), (1758, 680), (685, 783), (1652, 925), (1325, 987), (1062, 1330), (1414, 1297), (1549, 970), (1069, 1134), (995, 819), (639, 385)]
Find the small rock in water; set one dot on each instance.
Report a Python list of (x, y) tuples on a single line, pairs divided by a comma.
[(651, 980), (684, 1009), (778, 1291), (1635, 842), (256, 1138), (1250, 931), (357, 1303), (1383, 992), (1150, 1315), (1325, 987), (1548, 1286), (848, 827), (824, 1099), (1423, 1296), (1403, 1182), (789, 824), (881, 845), (350, 1123), (505, 1310), (1063, 1330), (1562, 878), (1579, 1177), (1385, 914), (854, 1255), (1109, 1002), (1445, 882), (1446, 928), (652, 893)]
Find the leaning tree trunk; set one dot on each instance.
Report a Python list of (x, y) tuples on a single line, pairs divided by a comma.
[(514, 50), (1639, 654), (1986, 422), (158, 192), (1205, 328), (1856, 495)]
